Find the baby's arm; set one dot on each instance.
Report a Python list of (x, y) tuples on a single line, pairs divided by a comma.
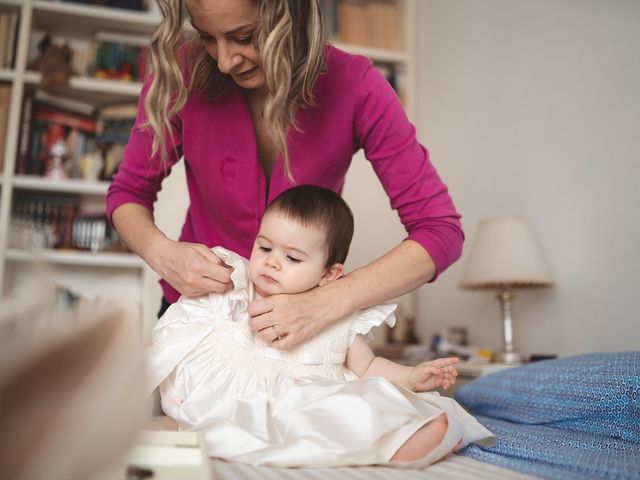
[(425, 376)]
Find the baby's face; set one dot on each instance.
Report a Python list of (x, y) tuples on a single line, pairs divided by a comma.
[(287, 257)]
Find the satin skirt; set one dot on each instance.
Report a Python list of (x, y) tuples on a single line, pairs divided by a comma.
[(315, 422)]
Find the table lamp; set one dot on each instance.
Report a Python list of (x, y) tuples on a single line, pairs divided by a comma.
[(505, 256)]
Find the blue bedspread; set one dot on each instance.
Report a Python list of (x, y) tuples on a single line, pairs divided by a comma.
[(572, 418)]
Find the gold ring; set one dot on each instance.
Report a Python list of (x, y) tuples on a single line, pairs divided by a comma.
[(275, 330)]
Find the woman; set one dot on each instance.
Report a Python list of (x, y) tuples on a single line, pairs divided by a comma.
[(259, 102)]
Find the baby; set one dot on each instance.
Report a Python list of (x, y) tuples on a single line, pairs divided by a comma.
[(330, 401)]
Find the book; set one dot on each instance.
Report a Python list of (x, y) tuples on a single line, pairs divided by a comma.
[(23, 154), (11, 40), (5, 102), (86, 124), (372, 23), (4, 29)]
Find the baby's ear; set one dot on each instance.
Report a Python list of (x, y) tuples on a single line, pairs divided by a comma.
[(334, 272)]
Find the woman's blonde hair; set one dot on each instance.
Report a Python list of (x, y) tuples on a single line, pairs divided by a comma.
[(290, 40)]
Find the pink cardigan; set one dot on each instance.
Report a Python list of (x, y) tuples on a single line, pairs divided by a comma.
[(356, 108)]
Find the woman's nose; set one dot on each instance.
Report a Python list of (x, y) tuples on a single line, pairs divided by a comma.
[(228, 58)]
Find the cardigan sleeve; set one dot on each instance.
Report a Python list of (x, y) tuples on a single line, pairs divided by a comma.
[(139, 177), (411, 182)]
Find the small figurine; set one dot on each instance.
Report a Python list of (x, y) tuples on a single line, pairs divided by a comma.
[(57, 166), (53, 62)]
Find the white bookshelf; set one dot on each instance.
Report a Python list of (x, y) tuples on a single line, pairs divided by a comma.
[(77, 268)]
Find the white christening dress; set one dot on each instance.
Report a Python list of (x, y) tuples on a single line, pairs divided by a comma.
[(255, 404)]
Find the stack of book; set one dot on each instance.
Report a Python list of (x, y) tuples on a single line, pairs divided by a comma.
[(57, 222), (94, 138), (119, 56), (43, 221), (8, 37), (370, 23)]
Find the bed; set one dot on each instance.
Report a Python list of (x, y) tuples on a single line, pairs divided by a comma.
[(571, 418)]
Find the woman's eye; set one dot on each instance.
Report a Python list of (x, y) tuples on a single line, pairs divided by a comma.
[(293, 259), (265, 249), (204, 37), (246, 39)]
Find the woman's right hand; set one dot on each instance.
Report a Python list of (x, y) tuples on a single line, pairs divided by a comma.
[(191, 268)]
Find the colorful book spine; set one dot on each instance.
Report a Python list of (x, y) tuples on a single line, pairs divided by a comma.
[(68, 120), (24, 140), (5, 101)]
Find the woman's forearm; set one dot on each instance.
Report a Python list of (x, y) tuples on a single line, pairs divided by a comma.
[(135, 226), (401, 270)]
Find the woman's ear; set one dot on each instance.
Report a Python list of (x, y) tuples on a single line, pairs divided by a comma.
[(334, 272)]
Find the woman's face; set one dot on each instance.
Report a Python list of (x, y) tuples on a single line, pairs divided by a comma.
[(226, 29)]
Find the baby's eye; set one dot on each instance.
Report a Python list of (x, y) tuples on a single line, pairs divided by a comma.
[(293, 259), (265, 249)]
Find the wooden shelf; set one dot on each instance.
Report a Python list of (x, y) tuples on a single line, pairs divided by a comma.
[(79, 258), (74, 185)]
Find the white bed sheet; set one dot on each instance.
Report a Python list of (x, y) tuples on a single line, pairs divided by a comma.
[(454, 467)]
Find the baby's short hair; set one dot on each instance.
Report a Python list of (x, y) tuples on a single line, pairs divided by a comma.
[(312, 205)]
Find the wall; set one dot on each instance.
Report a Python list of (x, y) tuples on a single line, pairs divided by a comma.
[(532, 107)]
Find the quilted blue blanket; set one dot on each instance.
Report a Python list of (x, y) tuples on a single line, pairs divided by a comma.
[(571, 418)]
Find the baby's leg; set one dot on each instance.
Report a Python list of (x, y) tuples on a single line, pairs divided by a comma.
[(161, 423), (423, 441)]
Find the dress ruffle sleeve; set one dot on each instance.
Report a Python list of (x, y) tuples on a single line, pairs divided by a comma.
[(189, 321), (364, 320), (241, 292)]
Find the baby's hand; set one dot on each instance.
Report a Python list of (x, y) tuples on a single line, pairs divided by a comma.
[(437, 373)]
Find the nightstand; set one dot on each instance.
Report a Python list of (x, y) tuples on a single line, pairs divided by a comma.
[(404, 353)]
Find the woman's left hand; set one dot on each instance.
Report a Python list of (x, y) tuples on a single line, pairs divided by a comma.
[(285, 321)]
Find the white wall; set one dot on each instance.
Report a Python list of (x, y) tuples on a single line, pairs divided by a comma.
[(532, 107)]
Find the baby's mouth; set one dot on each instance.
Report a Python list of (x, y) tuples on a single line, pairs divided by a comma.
[(268, 278)]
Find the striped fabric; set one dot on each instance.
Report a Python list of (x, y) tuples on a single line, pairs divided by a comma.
[(453, 468)]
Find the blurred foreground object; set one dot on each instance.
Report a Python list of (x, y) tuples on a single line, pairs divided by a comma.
[(162, 455), (71, 396)]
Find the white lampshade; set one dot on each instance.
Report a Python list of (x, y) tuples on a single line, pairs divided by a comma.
[(506, 253)]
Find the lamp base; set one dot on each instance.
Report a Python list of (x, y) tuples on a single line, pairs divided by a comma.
[(510, 358), (508, 354)]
